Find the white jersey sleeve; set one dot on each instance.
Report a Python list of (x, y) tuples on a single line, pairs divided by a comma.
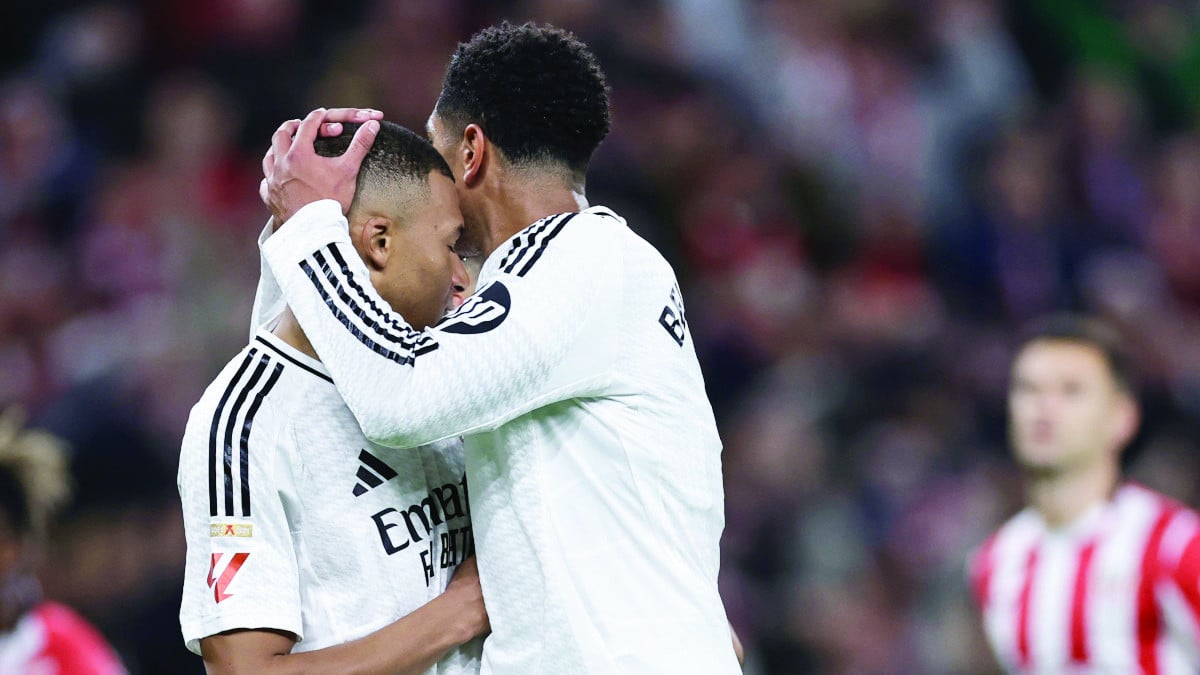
[(539, 329), (268, 297), (241, 569)]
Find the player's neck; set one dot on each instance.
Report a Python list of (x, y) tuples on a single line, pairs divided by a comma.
[(288, 329), (521, 203), (1063, 497)]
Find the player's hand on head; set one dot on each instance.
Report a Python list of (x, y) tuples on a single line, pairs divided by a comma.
[(295, 175)]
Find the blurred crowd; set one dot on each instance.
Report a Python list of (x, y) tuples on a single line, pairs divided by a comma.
[(864, 200)]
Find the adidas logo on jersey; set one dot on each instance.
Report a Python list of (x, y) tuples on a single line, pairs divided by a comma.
[(372, 473)]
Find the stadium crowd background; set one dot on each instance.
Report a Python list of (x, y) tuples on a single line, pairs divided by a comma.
[(863, 198)]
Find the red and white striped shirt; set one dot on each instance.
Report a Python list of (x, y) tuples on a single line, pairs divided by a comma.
[(51, 639), (1117, 591)]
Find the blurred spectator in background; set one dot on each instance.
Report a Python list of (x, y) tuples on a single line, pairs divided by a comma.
[(861, 198), (38, 635)]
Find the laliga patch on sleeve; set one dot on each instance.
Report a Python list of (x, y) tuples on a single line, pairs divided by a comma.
[(482, 312), (231, 530)]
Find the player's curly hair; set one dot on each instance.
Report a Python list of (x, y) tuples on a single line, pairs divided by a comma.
[(536, 91), (34, 477)]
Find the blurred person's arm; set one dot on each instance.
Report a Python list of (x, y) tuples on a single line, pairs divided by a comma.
[(411, 644)]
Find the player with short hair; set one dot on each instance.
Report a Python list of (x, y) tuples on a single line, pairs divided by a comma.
[(1095, 574), (37, 635), (592, 451), (311, 548)]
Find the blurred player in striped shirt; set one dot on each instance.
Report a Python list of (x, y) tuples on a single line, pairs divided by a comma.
[(1095, 575)]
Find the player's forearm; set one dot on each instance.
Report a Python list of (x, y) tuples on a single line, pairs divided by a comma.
[(410, 645), (529, 343), (368, 349)]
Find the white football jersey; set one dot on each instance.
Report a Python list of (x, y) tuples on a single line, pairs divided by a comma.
[(296, 522), (591, 449), (1117, 591)]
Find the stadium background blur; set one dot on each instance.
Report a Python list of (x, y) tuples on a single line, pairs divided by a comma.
[(863, 199)]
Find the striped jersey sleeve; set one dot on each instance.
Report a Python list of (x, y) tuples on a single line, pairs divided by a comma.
[(539, 329), (240, 569)]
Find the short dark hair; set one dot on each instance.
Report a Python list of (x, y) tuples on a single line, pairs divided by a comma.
[(1086, 330), (397, 154), (536, 90)]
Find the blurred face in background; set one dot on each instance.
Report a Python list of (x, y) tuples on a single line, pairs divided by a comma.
[(1066, 410)]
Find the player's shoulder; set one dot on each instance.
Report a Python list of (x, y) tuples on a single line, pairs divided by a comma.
[(572, 238), (1018, 530), (266, 383), (1140, 502)]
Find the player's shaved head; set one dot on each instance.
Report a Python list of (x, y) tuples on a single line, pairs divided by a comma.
[(395, 173)]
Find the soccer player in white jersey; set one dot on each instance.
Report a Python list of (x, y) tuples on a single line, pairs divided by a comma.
[(311, 549), (1095, 575), (591, 449)]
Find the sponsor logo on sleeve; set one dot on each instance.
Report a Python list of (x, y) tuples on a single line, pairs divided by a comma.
[(231, 530), (228, 564)]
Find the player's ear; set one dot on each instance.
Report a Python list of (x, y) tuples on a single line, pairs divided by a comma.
[(474, 149), (378, 240), (1126, 420)]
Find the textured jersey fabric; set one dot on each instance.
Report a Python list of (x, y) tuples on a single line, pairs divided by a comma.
[(591, 450), (1117, 591), (296, 522), (51, 639)]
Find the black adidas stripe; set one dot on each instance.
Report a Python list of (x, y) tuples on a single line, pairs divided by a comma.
[(407, 337), (405, 341), (229, 426), (247, 425), (377, 464), (522, 239), (379, 349), (531, 235), (282, 355), (212, 433), (544, 242)]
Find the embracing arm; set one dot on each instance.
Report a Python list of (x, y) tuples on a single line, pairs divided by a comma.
[(412, 644), (528, 337)]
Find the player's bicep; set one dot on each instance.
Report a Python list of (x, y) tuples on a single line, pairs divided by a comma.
[(245, 651)]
